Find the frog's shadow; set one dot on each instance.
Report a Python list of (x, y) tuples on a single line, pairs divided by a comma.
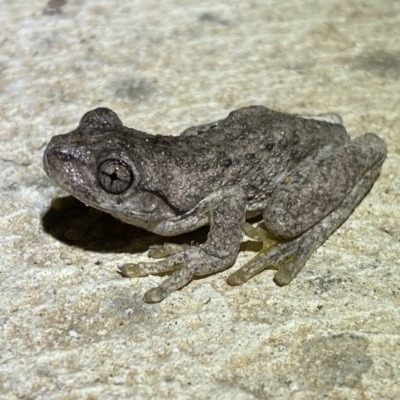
[(75, 224), (78, 225)]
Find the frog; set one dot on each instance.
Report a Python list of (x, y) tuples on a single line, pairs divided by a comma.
[(301, 175)]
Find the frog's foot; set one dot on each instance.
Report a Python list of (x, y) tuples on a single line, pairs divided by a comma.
[(283, 258), (186, 265), (259, 263), (167, 249)]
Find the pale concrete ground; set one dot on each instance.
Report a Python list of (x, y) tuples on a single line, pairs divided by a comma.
[(71, 327)]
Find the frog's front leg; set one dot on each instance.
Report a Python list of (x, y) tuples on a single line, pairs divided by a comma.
[(312, 201), (226, 210)]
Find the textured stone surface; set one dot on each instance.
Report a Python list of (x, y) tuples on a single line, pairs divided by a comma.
[(71, 327)]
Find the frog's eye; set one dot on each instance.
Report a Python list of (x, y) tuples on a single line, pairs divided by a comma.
[(115, 176)]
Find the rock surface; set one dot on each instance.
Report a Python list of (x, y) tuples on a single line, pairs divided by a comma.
[(71, 327)]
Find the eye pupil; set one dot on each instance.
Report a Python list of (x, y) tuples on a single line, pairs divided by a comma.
[(115, 176)]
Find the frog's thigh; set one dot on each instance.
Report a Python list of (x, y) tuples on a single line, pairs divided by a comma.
[(319, 184), (289, 258), (316, 236)]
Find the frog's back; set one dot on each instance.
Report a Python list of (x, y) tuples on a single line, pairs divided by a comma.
[(255, 143), (253, 148)]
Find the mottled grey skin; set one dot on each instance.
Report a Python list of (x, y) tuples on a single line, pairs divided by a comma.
[(302, 172)]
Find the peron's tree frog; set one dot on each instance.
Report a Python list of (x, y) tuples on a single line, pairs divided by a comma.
[(302, 173)]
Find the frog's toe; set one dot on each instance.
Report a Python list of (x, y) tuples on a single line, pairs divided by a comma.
[(155, 295), (274, 259), (157, 251), (133, 270), (166, 250), (236, 279), (288, 271)]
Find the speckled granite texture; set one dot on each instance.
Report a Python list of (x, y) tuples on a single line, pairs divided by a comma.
[(71, 327)]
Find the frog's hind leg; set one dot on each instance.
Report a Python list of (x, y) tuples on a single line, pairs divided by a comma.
[(289, 257)]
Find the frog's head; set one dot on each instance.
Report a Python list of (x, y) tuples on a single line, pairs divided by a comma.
[(97, 164)]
